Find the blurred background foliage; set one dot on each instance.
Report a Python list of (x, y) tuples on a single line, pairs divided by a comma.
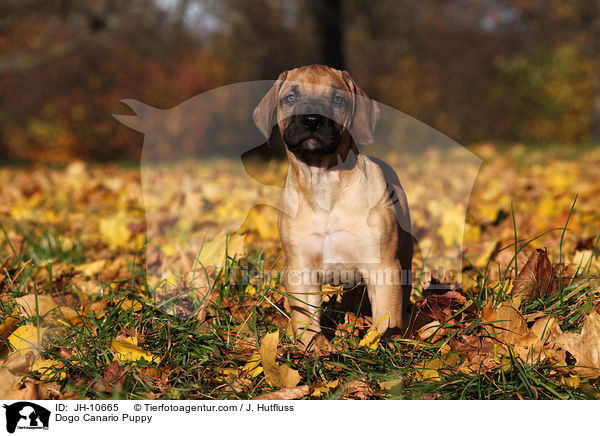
[(476, 70)]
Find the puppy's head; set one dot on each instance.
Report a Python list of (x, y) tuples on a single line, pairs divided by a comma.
[(316, 109)]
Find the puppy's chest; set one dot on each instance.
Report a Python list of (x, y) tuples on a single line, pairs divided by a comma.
[(340, 235)]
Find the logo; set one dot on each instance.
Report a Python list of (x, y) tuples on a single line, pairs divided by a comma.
[(26, 415)]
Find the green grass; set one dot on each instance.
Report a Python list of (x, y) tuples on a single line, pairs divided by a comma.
[(193, 353)]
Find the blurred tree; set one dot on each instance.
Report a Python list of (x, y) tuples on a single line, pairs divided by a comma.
[(476, 70), (328, 19)]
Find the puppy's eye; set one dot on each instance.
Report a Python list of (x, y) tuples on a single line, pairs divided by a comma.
[(289, 99), (338, 100)]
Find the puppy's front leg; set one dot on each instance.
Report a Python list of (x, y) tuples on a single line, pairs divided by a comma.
[(304, 291), (387, 306)]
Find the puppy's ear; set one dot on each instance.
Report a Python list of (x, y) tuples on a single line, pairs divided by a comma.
[(365, 113), (265, 111)]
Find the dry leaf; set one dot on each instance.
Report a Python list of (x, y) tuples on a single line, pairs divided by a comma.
[(90, 269), (9, 325), (432, 330), (439, 306), (26, 339), (584, 346), (505, 323), (114, 231), (213, 252), (9, 384), (537, 278), (253, 365), (127, 350), (277, 375), (320, 389), (371, 340), (50, 370), (286, 394), (29, 306), (360, 389)]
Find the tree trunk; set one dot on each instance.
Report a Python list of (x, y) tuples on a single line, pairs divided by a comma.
[(328, 22), (596, 104)]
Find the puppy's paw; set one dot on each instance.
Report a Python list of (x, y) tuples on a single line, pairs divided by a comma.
[(318, 343)]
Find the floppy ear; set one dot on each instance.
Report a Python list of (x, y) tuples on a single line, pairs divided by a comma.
[(365, 113), (265, 111)]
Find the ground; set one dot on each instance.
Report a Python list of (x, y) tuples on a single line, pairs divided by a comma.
[(92, 308)]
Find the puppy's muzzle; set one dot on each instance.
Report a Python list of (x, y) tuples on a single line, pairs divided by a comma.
[(312, 122), (312, 133)]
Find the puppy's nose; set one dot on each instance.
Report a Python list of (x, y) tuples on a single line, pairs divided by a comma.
[(312, 121)]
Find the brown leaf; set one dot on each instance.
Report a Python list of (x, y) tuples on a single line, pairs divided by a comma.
[(113, 372), (477, 353), (584, 346), (537, 278), (505, 323), (439, 307), (11, 387), (286, 394), (360, 389)]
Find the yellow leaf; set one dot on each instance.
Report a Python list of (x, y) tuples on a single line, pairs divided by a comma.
[(50, 370), (371, 339), (114, 231), (90, 269), (250, 290), (253, 366), (277, 375), (128, 304), (572, 381), (24, 340), (428, 370), (9, 324), (226, 373), (320, 389), (213, 252), (127, 350)]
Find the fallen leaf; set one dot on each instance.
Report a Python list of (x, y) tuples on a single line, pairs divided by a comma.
[(50, 370), (29, 306), (505, 323), (433, 330), (253, 365), (26, 339), (114, 231), (286, 394), (9, 325), (320, 389), (9, 384), (213, 252), (370, 340), (360, 389), (277, 375), (537, 278), (439, 306), (584, 346), (90, 269), (431, 369), (127, 350)]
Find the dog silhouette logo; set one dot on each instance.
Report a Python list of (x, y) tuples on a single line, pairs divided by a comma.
[(26, 415)]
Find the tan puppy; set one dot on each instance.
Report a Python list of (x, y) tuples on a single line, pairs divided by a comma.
[(343, 216)]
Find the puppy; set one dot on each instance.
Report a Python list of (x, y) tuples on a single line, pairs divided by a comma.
[(343, 216)]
